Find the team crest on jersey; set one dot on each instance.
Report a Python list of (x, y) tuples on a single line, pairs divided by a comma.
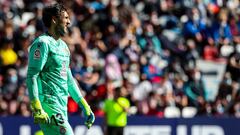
[(62, 130), (37, 54)]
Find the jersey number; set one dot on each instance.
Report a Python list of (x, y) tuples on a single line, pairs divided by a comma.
[(57, 119)]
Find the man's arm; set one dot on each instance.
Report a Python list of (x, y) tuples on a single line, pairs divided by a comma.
[(125, 108), (73, 88), (37, 58), (74, 92)]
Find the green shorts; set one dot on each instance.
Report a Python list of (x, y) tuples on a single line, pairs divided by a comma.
[(57, 112), (50, 129)]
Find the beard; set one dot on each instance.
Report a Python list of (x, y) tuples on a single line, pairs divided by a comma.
[(61, 30)]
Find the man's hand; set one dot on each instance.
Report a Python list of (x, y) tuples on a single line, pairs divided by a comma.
[(89, 120), (87, 112), (39, 115)]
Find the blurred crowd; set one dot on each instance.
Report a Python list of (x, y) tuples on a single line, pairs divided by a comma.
[(148, 48)]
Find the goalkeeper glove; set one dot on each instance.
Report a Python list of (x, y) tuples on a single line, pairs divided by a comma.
[(87, 112), (39, 115)]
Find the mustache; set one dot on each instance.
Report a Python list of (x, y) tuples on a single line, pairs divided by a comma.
[(64, 30)]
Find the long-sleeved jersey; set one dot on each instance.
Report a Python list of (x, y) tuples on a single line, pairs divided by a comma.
[(49, 77)]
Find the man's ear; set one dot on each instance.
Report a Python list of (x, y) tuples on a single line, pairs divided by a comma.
[(54, 20)]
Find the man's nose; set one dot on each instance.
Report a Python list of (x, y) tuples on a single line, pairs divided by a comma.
[(68, 22)]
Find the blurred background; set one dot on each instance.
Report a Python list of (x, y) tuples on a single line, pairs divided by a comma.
[(175, 60)]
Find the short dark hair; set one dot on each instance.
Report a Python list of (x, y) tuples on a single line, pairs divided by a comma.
[(51, 11)]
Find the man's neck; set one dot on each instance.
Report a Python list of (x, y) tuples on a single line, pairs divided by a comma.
[(53, 33)]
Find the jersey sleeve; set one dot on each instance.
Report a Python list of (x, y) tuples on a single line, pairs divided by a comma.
[(38, 55), (73, 88)]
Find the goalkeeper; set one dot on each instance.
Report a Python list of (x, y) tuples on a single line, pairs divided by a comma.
[(49, 78)]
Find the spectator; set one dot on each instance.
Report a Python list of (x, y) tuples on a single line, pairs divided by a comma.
[(148, 41), (220, 28), (10, 82), (181, 99), (195, 27), (210, 51), (195, 91), (233, 66), (7, 55), (113, 70)]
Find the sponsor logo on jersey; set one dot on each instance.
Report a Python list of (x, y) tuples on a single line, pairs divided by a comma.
[(63, 71), (62, 130), (37, 54)]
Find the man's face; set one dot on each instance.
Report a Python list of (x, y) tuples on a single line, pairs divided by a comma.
[(63, 23)]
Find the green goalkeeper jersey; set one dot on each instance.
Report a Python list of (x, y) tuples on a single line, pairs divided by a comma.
[(49, 77)]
